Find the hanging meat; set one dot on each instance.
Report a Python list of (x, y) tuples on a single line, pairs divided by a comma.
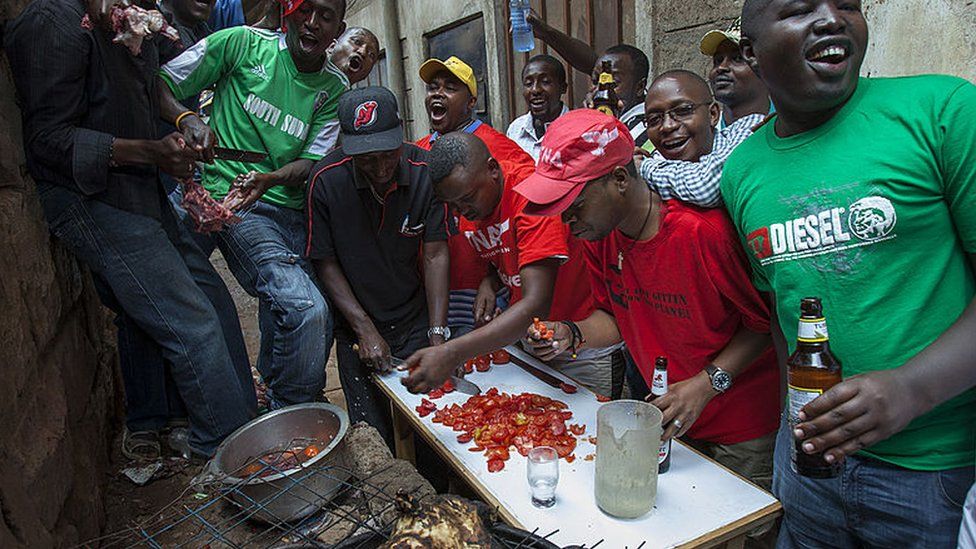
[(133, 24), (439, 522)]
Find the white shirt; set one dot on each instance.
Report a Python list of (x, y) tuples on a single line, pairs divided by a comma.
[(522, 132)]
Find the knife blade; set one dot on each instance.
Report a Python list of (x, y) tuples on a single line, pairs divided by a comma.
[(460, 384), (543, 376), (238, 155)]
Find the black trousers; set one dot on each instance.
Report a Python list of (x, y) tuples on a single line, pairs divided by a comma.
[(364, 400)]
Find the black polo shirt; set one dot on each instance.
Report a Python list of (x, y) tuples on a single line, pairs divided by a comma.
[(377, 245)]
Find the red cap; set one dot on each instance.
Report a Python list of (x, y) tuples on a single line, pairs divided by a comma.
[(578, 147), (289, 6)]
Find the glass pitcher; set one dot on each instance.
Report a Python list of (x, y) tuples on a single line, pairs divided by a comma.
[(628, 440)]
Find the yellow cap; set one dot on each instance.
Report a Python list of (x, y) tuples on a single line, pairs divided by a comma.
[(453, 65), (712, 39)]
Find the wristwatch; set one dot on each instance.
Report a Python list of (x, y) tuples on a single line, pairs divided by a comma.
[(721, 380), (442, 331)]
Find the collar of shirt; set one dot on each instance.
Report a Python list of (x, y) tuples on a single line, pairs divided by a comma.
[(470, 128), (633, 116), (400, 180), (526, 126)]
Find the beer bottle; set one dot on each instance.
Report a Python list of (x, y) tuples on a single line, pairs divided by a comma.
[(659, 386), (812, 369), (605, 98)]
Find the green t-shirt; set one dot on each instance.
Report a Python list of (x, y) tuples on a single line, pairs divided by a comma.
[(261, 103), (874, 212)]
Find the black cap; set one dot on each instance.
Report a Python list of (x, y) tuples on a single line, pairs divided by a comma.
[(369, 120)]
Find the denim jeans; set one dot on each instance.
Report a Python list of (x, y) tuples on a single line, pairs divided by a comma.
[(151, 396), (149, 266), (967, 530), (870, 504), (265, 254), (364, 400)]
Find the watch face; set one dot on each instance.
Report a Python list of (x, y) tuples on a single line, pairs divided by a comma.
[(721, 381)]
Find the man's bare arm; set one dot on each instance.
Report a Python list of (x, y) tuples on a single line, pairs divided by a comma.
[(431, 366), (437, 269), (579, 54)]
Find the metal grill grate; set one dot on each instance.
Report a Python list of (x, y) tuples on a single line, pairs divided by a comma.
[(359, 514)]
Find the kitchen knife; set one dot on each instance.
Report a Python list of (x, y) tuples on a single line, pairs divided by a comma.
[(224, 153), (543, 376), (460, 384)]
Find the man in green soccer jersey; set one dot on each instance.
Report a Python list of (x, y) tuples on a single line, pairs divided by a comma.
[(277, 93), (862, 191)]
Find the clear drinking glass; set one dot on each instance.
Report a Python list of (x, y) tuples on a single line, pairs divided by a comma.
[(542, 471)]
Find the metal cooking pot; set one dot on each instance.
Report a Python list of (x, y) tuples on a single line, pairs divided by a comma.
[(291, 495)]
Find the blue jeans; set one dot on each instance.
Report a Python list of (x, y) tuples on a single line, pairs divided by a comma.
[(871, 504), (149, 266), (151, 396), (265, 254)]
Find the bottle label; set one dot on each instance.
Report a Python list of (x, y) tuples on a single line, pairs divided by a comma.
[(662, 453), (606, 78), (812, 330), (659, 385), (798, 398)]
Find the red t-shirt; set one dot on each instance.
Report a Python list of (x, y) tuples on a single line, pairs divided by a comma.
[(467, 268), (683, 294), (510, 239)]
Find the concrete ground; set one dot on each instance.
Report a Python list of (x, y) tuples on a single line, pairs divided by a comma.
[(247, 308)]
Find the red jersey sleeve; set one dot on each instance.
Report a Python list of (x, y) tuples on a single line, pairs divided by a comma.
[(729, 273), (540, 238)]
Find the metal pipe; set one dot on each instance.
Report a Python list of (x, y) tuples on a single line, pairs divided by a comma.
[(394, 57)]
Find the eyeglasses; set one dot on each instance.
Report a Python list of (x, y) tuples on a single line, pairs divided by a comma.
[(680, 113)]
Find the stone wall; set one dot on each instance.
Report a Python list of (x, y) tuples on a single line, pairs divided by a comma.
[(906, 36), (57, 361)]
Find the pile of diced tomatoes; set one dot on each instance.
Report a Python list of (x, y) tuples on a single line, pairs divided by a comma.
[(497, 422), (483, 363)]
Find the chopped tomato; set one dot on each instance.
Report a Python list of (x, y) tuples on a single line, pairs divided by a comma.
[(482, 366), (577, 429), (448, 387), (436, 393), (557, 427), (464, 438), (567, 388), (499, 452), (570, 458), (500, 356), (495, 465), (469, 366), (601, 398)]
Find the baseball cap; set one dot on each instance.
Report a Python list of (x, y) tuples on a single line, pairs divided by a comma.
[(369, 121), (578, 147), (288, 6), (714, 37), (453, 65)]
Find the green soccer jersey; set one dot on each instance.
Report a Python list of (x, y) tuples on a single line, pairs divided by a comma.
[(261, 103), (874, 212)]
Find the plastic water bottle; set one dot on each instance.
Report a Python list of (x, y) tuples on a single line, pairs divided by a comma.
[(522, 39)]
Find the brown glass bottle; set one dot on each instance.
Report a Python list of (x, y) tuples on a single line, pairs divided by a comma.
[(659, 386), (605, 97), (812, 369)]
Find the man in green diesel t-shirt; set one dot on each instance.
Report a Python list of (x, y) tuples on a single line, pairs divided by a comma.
[(863, 192), (277, 93)]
